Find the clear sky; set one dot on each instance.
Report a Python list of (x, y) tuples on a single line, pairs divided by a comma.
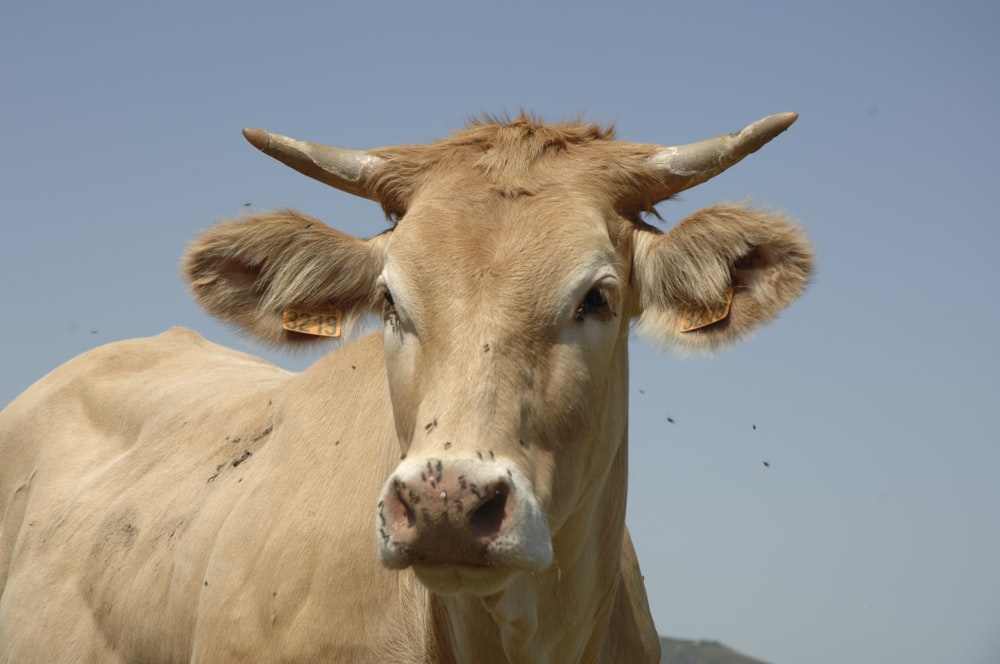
[(874, 534)]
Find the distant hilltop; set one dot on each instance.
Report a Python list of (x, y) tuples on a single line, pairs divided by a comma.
[(678, 651)]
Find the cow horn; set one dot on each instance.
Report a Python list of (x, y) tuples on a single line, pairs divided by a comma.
[(684, 166), (347, 170)]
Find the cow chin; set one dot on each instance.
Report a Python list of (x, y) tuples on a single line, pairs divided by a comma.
[(453, 579)]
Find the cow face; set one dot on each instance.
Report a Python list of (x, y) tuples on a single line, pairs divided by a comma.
[(504, 348), (506, 290)]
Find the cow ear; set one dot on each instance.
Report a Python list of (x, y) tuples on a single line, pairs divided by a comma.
[(717, 275), (268, 269)]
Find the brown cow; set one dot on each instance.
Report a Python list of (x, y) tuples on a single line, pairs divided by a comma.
[(449, 489)]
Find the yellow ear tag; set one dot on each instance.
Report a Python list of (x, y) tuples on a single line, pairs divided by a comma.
[(320, 322), (695, 318)]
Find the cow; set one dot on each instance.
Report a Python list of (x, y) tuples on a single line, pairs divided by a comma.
[(447, 487)]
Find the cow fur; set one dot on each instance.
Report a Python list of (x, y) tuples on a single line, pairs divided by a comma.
[(170, 500)]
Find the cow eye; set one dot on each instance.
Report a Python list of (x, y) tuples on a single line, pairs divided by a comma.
[(595, 304), (388, 306)]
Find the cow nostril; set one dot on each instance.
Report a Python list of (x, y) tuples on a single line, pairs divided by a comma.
[(488, 517), (408, 515)]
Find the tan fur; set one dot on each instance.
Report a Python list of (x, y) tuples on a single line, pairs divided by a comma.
[(763, 256), (516, 158), (168, 500), (248, 271)]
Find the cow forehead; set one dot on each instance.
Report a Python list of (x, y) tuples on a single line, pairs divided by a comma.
[(537, 242)]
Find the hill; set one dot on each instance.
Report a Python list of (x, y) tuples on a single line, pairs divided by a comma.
[(677, 651)]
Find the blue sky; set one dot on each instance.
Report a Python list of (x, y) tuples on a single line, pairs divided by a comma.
[(874, 534)]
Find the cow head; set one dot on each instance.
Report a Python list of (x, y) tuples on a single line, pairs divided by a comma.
[(507, 286)]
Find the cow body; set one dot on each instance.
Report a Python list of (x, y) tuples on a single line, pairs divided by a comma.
[(450, 489)]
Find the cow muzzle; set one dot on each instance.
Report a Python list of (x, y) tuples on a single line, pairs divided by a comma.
[(462, 524)]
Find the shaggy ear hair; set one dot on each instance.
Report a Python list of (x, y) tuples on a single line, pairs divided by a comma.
[(247, 272), (680, 275)]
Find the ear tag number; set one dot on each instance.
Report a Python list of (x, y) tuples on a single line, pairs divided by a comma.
[(322, 322), (696, 318)]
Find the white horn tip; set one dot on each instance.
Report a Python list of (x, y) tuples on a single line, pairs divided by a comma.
[(779, 122), (257, 137)]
